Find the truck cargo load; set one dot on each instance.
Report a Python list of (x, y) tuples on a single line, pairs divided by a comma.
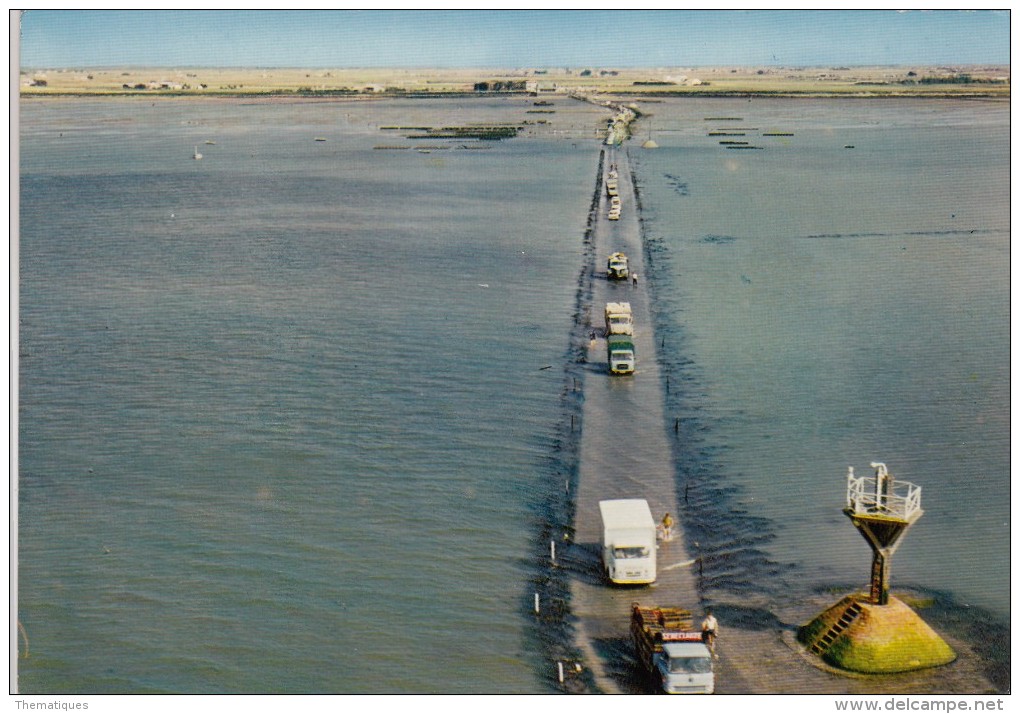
[(672, 650), (619, 320), (620, 354), (628, 541)]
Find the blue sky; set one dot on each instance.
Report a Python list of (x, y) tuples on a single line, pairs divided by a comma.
[(502, 38)]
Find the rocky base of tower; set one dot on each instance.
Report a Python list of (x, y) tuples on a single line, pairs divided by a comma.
[(857, 636)]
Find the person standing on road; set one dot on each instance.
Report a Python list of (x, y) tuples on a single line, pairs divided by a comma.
[(667, 527), (709, 631)]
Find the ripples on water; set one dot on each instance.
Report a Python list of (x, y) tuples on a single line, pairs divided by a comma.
[(827, 308), (283, 423)]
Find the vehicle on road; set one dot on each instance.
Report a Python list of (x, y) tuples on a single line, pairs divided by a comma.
[(620, 353), (671, 650), (619, 319), (616, 267), (628, 541)]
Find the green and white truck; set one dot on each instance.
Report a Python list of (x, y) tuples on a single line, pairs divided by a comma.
[(620, 352)]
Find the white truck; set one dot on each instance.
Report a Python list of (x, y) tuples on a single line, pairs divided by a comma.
[(671, 649), (628, 541), (619, 320)]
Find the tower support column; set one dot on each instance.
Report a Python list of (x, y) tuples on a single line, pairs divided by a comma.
[(880, 578)]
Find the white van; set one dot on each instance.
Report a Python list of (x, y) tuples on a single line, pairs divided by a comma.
[(628, 541)]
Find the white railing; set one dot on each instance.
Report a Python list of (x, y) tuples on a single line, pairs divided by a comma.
[(882, 495)]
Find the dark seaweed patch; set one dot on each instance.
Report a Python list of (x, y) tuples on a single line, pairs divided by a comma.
[(677, 184), (717, 239), (930, 234)]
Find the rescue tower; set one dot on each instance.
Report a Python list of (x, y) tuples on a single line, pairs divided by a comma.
[(874, 632), (882, 510)]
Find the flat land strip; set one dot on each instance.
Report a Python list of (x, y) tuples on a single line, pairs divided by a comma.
[(935, 81)]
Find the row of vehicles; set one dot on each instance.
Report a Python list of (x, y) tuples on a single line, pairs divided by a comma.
[(619, 338), (665, 640), (613, 192), (619, 323)]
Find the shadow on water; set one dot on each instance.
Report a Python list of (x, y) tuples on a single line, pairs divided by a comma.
[(582, 561), (620, 665), (750, 618)]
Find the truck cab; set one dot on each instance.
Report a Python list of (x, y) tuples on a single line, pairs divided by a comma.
[(685, 668), (620, 349)]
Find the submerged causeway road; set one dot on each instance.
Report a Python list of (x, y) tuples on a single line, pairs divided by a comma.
[(624, 453)]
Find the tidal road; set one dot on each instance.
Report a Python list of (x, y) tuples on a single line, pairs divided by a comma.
[(624, 453)]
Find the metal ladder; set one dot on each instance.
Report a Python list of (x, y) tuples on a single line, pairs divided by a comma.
[(825, 641)]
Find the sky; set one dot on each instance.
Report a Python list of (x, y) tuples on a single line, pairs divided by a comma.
[(508, 38)]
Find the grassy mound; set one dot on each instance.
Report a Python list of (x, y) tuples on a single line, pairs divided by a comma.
[(882, 639)]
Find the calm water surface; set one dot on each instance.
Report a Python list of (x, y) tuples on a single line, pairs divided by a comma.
[(832, 306), (284, 422), (283, 415)]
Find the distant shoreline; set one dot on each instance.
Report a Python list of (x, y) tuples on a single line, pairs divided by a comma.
[(937, 82), (452, 95)]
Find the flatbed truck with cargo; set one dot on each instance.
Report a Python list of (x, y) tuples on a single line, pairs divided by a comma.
[(671, 650)]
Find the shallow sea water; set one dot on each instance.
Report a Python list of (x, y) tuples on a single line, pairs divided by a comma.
[(838, 297), (287, 413), (283, 417)]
